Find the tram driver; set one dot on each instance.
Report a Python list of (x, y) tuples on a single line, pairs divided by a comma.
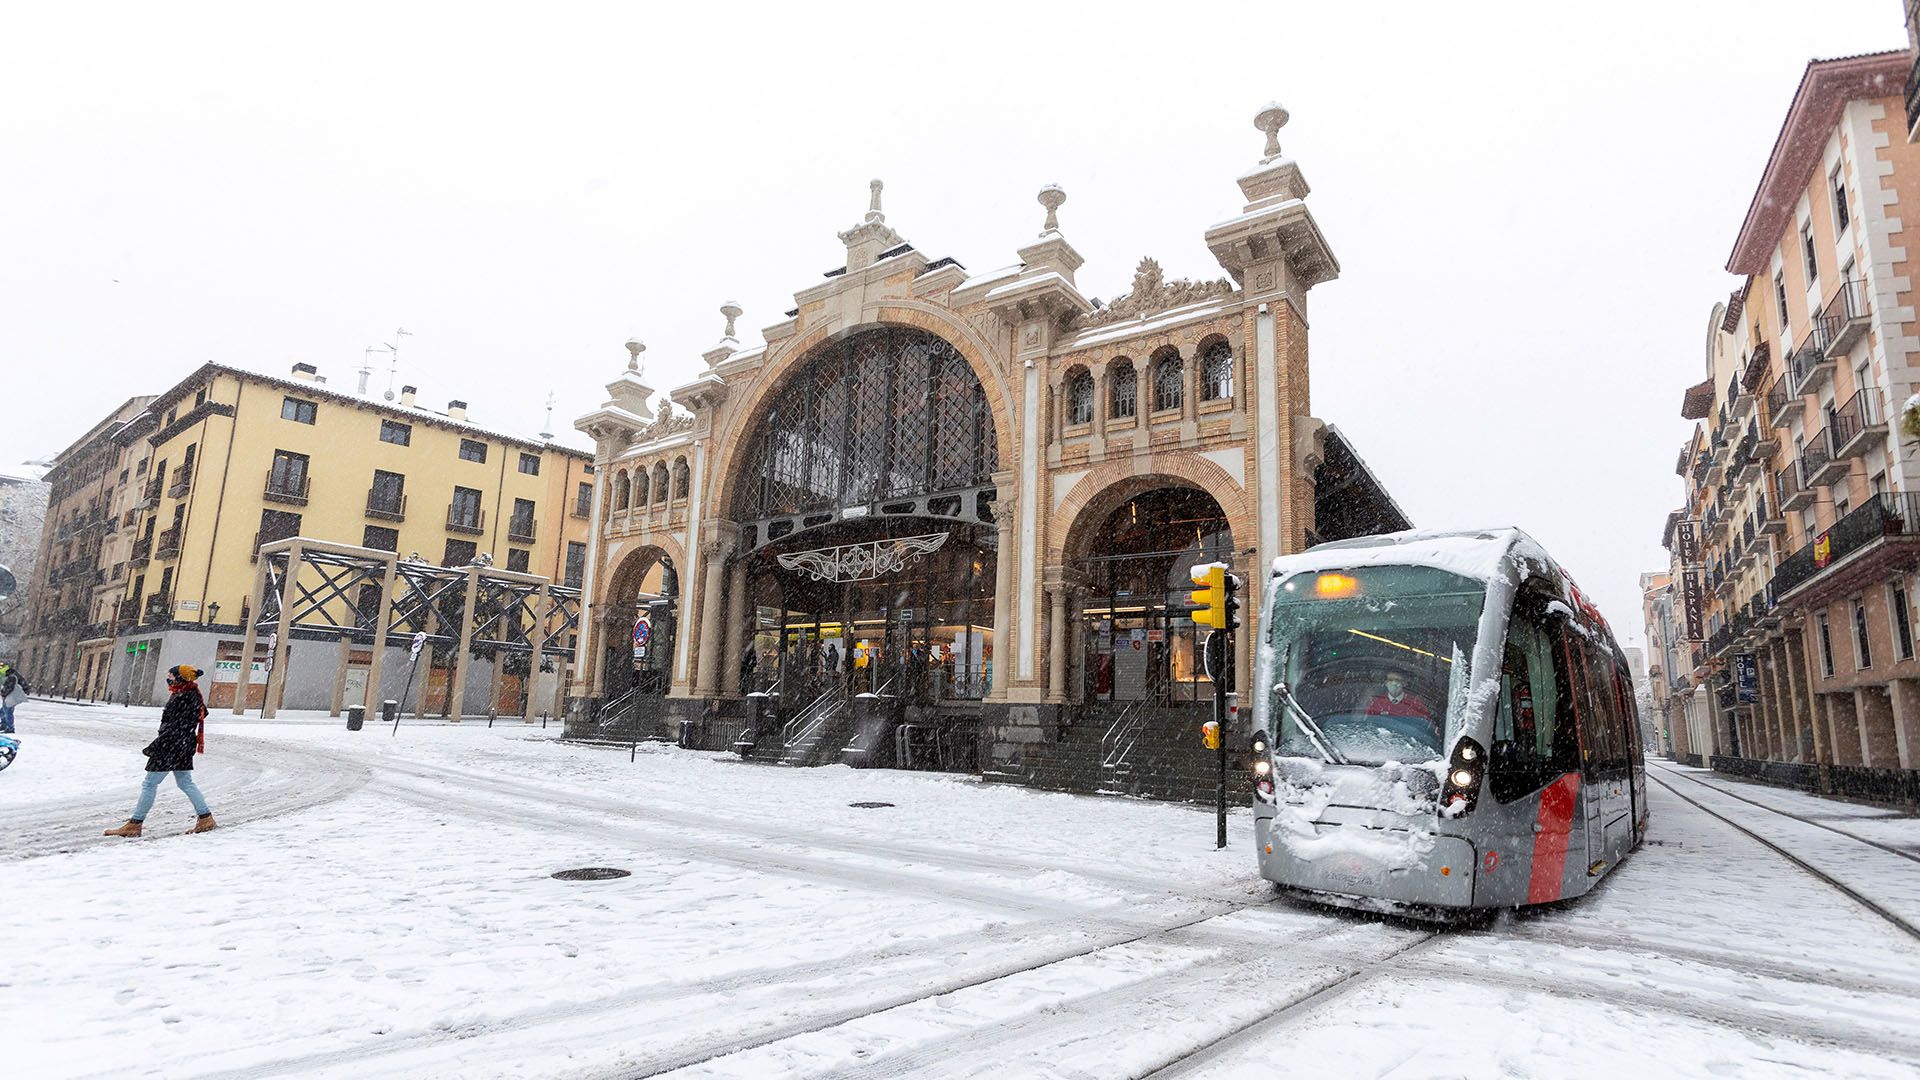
[(1396, 701)]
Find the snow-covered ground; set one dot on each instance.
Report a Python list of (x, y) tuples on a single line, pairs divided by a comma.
[(382, 906)]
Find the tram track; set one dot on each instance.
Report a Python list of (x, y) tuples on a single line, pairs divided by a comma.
[(1891, 917), (1731, 794)]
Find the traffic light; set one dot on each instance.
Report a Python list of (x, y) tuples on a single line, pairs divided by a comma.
[(1217, 602)]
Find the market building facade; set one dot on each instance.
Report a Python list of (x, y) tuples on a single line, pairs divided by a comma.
[(944, 518)]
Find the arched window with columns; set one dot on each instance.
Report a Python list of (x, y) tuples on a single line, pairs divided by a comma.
[(621, 483), (1123, 396), (660, 482), (1079, 396), (682, 477), (1169, 380), (640, 487), (1216, 372)]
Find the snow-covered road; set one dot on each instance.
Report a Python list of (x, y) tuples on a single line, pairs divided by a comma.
[(382, 906)]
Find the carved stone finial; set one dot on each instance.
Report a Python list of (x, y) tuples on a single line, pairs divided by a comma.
[(1271, 118), (873, 202), (731, 309), (1051, 197), (634, 348)]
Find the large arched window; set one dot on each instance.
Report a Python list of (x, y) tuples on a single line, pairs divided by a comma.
[(681, 476), (621, 484), (891, 413), (1169, 380), (1216, 372), (640, 487), (1123, 393), (1080, 396), (660, 481)]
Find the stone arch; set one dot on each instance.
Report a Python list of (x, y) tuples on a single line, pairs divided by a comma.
[(731, 450), (629, 561), (1108, 486)]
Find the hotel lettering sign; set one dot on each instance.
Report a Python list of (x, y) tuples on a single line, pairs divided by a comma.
[(1695, 605), (1689, 543)]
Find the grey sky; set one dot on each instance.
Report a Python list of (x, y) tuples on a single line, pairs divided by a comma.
[(1531, 203)]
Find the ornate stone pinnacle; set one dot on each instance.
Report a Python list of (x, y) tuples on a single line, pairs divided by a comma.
[(873, 202), (634, 348), (1051, 197), (731, 309), (1272, 117)]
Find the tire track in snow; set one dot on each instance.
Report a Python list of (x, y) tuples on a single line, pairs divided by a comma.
[(273, 780)]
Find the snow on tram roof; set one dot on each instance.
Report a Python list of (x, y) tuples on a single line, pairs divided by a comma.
[(1481, 554)]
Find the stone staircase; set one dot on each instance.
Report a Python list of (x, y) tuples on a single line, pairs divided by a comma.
[(1144, 751)]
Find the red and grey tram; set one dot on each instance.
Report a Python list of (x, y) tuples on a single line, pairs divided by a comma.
[(1443, 723)]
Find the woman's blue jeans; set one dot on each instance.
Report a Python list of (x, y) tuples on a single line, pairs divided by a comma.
[(151, 787)]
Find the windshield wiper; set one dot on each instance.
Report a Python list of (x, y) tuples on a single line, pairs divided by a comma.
[(1311, 727)]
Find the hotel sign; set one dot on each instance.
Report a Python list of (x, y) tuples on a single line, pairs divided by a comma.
[(1694, 604), (1689, 543)]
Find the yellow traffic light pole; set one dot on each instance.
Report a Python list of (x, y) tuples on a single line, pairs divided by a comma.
[(1216, 604)]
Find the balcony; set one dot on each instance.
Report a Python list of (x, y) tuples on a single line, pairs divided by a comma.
[(128, 613), (1701, 462), (149, 495), (1782, 406), (1913, 98), (460, 519), (1747, 466), (583, 508), (181, 483), (158, 607), (1857, 426), (142, 552), (521, 530), (1817, 467), (1767, 511), (1810, 366), (386, 505), (1791, 494), (167, 544), (286, 488), (1740, 400), (1861, 548), (1718, 641), (1846, 316)]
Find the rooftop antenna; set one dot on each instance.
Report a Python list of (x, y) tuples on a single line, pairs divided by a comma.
[(393, 370), (366, 369), (546, 433)]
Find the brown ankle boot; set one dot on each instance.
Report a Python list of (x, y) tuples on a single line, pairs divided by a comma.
[(204, 823), (130, 829)]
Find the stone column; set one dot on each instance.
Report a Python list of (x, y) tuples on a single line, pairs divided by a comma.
[(1878, 746), (1190, 377), (1100, 404), (1906, 721), (1003, 559), (1076, 645), (738, 625), (1057, 645), (713, 577)]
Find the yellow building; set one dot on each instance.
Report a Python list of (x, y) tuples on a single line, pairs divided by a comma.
[(238, 459)]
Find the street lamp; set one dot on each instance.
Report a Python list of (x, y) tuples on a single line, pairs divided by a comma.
[(213, 613)]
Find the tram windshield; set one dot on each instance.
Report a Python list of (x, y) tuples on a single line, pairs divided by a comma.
[(1368, 665)]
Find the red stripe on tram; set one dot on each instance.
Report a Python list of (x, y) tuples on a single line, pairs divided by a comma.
[(1555, 831)]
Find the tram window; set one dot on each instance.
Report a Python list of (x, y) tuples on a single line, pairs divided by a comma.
[(1533, 736), (1603, 738)]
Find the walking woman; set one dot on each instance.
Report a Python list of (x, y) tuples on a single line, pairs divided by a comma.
[(182, 734)]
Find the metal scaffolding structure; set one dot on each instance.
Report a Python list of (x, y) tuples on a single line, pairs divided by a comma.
[(365, 596)]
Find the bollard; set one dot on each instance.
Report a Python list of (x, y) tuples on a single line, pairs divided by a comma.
[(388, 710), (356, 717)]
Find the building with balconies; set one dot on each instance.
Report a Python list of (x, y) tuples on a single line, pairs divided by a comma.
[(1811, 533)]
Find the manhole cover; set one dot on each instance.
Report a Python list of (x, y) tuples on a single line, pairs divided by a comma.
[(592, 873), (868, 805)]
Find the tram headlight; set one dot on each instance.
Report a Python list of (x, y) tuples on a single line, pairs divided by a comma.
[(1462, 778), (1462, 789), (1262, 767)]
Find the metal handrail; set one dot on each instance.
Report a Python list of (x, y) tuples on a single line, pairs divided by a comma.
[(814, 717), (1122, 735)]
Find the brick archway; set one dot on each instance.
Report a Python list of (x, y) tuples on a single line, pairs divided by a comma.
[(732, 445), (1102, 491)]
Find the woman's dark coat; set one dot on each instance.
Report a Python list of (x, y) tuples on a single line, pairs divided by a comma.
[(172, 749)]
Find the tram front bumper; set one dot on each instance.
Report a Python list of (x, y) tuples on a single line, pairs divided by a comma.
[(1398, 865)]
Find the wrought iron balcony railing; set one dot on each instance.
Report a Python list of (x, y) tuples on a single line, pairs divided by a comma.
[(1857, 426), (167, 544), (386, 505), (1878, 518), (463, 520), (286, 488), (521, 529)]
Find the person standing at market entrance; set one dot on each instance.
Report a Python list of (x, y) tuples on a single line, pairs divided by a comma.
[(182, 734)]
